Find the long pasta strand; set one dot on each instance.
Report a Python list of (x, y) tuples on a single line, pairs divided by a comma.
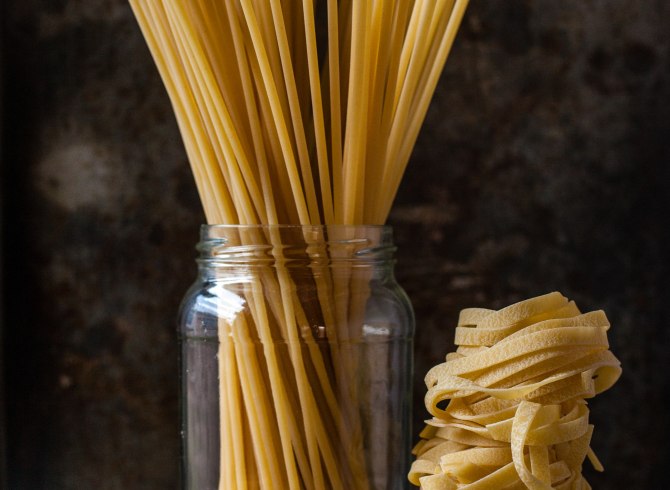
[(268, 144)]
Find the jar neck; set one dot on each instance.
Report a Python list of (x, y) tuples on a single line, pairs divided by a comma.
[(232, 249)]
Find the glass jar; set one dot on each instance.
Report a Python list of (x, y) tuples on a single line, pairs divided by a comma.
[(296, 360)]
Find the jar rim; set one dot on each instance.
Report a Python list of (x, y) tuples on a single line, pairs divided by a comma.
[(254, 243), (215, 226)]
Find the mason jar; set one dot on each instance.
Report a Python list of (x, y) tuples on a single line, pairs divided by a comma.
[(296, 360)]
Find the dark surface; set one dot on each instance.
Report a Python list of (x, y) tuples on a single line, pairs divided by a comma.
[(543, 165)]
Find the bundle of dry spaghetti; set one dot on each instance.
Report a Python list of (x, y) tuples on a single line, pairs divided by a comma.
[(517, 384), (284, 123), (276, 136)]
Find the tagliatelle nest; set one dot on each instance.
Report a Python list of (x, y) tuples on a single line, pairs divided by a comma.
[(517, 387)]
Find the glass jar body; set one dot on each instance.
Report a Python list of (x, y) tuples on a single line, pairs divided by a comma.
[(296, 359)]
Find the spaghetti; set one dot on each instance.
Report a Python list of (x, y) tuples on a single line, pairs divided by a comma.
[(281, 127)]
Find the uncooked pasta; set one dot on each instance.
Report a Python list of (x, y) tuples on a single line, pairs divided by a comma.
[(516, 389), (285, 125)]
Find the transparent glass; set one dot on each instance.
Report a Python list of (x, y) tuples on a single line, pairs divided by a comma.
[(296, 355)]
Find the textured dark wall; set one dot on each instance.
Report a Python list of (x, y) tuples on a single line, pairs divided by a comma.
[(543, 166)]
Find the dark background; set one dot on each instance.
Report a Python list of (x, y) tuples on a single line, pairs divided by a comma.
[(543, 165)]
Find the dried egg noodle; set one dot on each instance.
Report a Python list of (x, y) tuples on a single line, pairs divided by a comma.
[(516, 385)]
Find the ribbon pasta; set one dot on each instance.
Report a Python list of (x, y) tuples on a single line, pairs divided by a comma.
[(515, 392)]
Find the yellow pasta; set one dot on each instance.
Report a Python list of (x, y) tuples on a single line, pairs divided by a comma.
[(264, 152), (516, 389), (281, 130)]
